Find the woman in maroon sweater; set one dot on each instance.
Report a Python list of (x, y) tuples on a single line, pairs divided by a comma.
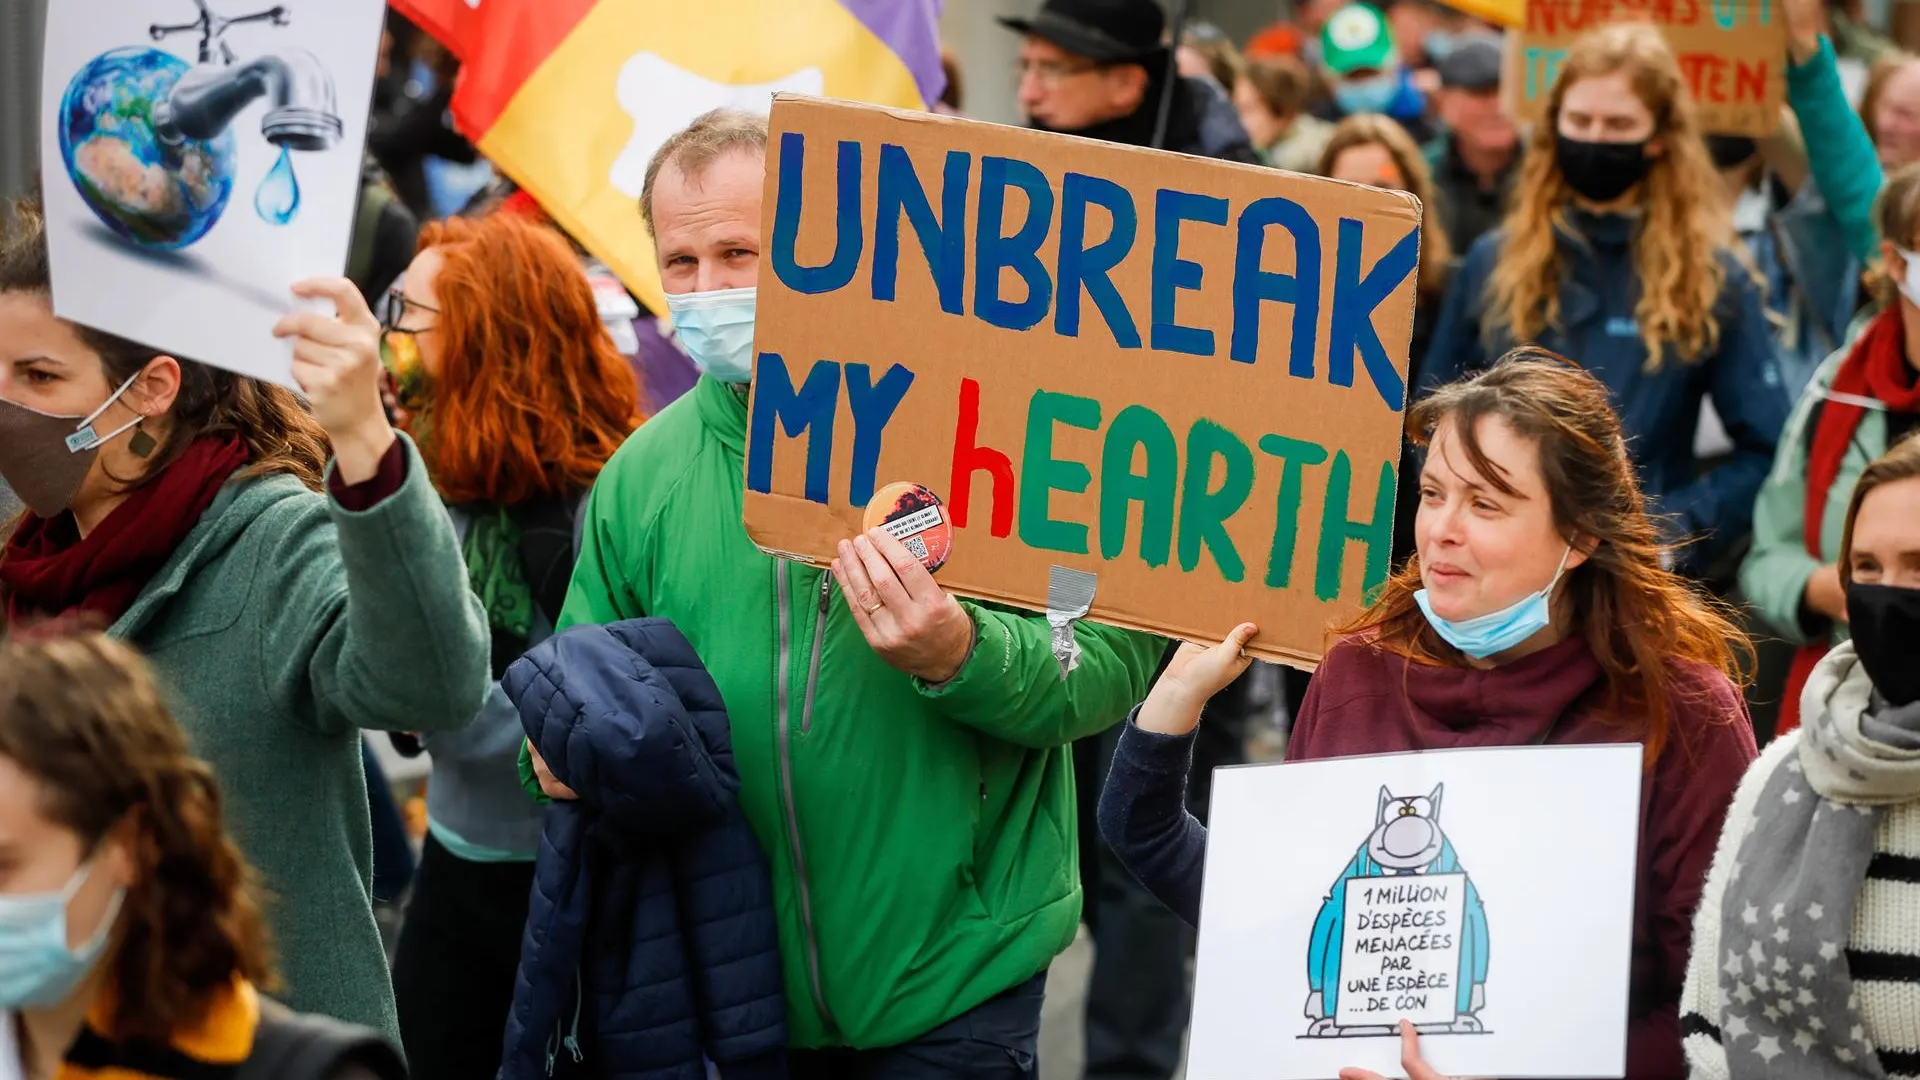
[(1538, 610)]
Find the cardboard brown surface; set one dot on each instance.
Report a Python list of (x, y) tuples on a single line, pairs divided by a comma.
[(1047, 418), (1732, 53)]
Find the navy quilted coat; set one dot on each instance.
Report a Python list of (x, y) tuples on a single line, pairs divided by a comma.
[(650, 943)]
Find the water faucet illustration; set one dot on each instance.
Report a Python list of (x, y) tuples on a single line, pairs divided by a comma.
[(301, 115)]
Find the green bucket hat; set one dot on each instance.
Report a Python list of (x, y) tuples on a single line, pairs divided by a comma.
[(1357, 38)]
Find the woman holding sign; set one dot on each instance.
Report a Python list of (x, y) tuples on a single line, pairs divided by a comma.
[(1617, 252), (1806, 951), (285, 604), (1535, 611)]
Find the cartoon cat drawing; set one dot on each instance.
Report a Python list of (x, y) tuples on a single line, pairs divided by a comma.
[(1406, 840)]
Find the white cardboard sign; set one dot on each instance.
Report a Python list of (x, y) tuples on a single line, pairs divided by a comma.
[(1484, 895), (197, 158)]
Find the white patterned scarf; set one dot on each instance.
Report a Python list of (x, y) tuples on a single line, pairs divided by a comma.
[(1788, 1006)]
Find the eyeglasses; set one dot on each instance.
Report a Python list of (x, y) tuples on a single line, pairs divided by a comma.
[(1053, 72), (393, 308)]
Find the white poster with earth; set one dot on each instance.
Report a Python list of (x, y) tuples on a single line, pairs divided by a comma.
[(1484, 896), (197, 158)]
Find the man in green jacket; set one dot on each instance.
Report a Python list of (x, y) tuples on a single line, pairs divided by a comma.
[(902, 755)]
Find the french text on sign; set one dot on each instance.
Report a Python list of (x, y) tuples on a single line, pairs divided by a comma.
[(1401, 953)]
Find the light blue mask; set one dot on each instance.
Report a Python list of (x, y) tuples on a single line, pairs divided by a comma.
[(1496, 632), (1367, 95), (37, 970), (1439, 45), (716, 328)]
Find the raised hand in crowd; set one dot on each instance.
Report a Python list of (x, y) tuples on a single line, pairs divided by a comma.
[(1806, 21), (1193, 676), (336, 361)]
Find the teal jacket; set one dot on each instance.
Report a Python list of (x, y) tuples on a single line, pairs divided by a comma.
[(280, 627), (1847, 172), (1775, 572), (922, 838), (1839, 154)]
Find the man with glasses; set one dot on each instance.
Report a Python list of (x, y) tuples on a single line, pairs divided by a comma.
[(1098, 68)]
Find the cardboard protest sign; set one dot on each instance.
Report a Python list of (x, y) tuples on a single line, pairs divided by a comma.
[(1484, 895), (197, 158), (1732, 53), (1183, 378)]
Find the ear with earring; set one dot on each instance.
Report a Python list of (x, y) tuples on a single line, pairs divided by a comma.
[(142, 444)]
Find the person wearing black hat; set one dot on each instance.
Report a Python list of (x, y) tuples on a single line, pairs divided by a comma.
[(1098, 68), (1475, 156)]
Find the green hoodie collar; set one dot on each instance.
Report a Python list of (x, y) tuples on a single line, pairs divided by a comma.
[(724, 411)]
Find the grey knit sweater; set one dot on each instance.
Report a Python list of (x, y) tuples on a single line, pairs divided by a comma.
[(1883, 950)]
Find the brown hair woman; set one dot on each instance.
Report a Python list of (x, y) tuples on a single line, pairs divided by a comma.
[(518, 397), (131, 942), (193, 522), (1537, 610)]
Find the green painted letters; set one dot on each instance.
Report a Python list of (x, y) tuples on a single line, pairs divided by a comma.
[(1294, 455), (1138, 427), (1204, 509), (1336, 530), (1041, 473)]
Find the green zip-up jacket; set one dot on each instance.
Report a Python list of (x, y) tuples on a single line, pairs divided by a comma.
[(922, 839), (1775, 572), (280, 627)]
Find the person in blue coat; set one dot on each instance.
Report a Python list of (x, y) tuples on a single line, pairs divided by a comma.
[(651, 948), (1619, 252)]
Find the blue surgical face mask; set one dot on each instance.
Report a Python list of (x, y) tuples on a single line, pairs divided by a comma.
[(1496, 632), (1367, 95), (716, 329), (37, 969), (1439, 45)]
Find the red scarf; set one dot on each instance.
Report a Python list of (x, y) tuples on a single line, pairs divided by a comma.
[(1876, 368), (47, 570)]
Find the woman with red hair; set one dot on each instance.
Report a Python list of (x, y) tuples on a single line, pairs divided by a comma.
[(507, 379)]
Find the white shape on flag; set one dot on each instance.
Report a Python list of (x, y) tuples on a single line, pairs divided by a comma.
[(663, 97)]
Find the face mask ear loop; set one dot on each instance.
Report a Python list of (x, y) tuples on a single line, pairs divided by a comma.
[(108, 404), (1564, 556), (84, 438)]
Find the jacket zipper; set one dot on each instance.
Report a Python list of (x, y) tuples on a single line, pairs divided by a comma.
[(785, 705), (813, 668)]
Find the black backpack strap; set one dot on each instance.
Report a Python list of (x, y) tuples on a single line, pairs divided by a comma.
[(298, 1046), (548, 549)]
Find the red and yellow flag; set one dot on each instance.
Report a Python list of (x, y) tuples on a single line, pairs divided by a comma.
[(570, 98)]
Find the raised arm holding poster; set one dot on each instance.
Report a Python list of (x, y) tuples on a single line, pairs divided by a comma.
[(1152, 390), (1732, 53)]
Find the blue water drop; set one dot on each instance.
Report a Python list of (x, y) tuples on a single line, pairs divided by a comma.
[(278, 199)]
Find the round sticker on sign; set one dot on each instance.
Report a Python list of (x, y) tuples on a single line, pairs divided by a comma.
[(914, 516)]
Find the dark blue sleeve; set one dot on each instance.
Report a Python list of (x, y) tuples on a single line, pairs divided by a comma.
[(1144, 817), (1717, 508), (1458, 348)]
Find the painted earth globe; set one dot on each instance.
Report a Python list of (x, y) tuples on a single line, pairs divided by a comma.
[(156, 195)]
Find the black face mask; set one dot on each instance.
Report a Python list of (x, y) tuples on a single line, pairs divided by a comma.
[(1885, 623), (1731, 151), (1601, 171)]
